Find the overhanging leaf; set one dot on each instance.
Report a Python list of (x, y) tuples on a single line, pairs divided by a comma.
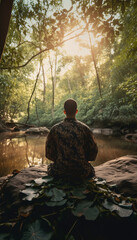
[(38, 230)]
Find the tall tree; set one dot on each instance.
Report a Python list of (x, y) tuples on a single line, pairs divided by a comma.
[(5, 15)]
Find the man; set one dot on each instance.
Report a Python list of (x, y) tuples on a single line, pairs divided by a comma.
[(70, 145)]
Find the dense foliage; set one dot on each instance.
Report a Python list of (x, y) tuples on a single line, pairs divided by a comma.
[(37, 75)]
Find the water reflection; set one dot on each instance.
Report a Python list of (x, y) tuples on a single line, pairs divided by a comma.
[(111, 147), (18, 152), (21, 152)]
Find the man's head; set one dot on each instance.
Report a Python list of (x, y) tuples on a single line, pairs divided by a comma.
[(70, 107)]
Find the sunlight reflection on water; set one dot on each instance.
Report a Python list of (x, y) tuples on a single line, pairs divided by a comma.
[(20, 151)]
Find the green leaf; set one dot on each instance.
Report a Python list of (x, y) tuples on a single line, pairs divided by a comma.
[(91, 213), (113, 187), (71, 238), (28, 184), (30, 192), (81, 208), (100, 181), (56, 194), (4, 236), (125, 204), (38, 230), (78, 193), (122, 212), (53, 204), (40, 181), (49, 178)]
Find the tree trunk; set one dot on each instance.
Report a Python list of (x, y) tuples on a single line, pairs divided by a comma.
[(36, 109), (53, 79), (32, 93), (44, 84), (53, 96), (95, 65), (5, 15), (69, 85)]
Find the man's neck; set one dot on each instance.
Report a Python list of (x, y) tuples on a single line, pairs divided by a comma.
[(70, 117)]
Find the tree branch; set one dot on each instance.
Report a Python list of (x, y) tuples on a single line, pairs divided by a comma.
[(44, 50), (26, 42)]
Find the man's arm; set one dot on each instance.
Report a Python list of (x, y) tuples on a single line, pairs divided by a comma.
[(91, 147), (51, 152)]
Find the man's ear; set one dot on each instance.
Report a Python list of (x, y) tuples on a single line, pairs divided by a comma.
[(64, 112), (76, 111)]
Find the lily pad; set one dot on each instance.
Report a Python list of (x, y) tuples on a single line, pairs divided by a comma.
[(54, 204), (113, 187), (122, 212), (91, 213), (84, 209), (78, 193), (126, 204), (100, 182), (38, 230), (81, 208), (40, 181), (56, 194), (28, 184), (30, 192)]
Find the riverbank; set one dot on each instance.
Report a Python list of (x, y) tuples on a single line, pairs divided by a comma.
[(111, 128)]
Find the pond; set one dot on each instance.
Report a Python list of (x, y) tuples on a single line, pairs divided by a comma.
[(18, 151)]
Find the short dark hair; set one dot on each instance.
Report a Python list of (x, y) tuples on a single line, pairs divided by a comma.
[(70, 106)]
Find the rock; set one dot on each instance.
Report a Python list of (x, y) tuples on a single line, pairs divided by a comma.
[(17, 182), (131, 137), (39, 130), (97, 130), (107, 131), (103, 131), (122, 172)]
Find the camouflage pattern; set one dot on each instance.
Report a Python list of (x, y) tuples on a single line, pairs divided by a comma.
[(70, 145)]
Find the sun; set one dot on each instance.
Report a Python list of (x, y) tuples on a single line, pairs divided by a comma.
[(81, 46)]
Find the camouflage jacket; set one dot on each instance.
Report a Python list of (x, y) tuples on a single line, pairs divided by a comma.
[(70, 145)]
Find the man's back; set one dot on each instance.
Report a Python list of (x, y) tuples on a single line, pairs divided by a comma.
[(70, 145)]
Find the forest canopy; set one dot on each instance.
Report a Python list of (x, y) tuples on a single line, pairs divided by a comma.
[(55, 49)]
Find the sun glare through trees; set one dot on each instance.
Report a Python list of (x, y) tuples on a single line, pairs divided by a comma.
[(80, 49)]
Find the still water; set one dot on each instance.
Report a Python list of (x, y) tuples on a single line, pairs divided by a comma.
[(18, 151)]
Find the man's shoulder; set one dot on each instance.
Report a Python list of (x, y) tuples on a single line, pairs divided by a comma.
[(83, 125), (56, 126), (61, 125)]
